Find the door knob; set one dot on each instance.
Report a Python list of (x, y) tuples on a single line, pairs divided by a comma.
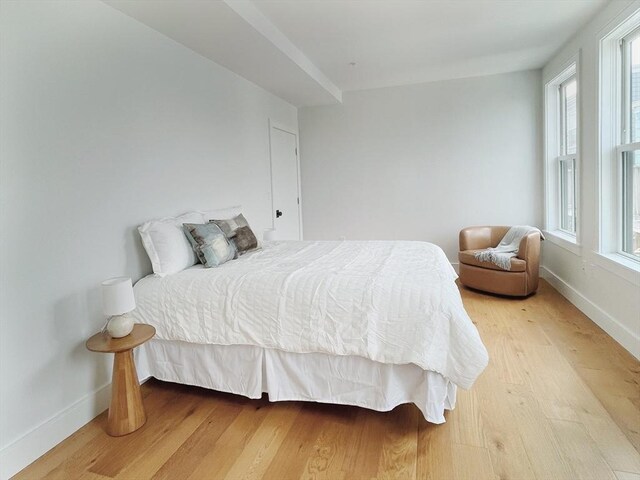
[(278, 213)]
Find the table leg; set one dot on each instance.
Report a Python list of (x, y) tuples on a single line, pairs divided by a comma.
[(126, 412)]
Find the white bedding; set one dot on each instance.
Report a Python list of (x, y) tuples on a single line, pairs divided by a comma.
[(390, 302), (345, 380)]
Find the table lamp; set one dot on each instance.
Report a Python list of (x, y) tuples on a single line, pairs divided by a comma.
[(117, 300)]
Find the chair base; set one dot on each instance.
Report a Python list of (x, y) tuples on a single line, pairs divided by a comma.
[(513, 284)]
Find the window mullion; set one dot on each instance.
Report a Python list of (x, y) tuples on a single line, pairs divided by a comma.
[(628, 147)]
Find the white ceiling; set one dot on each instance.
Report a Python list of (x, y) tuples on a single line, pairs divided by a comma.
[(409, 41), (301, 50), (214, 30)]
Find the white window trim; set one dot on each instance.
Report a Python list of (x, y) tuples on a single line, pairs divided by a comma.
[(620, 265), (552, 230), (610, 255)]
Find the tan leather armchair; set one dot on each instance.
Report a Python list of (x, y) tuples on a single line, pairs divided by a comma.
[(520, 281)]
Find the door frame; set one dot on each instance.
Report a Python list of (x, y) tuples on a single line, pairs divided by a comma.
[(273, 124)]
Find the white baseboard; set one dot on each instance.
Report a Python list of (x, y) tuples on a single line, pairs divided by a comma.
[(456, 266), (621, 334), (17, 455)]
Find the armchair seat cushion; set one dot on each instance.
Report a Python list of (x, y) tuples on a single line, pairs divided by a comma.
[(467, 257)]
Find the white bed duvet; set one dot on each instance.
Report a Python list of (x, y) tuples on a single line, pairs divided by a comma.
[(390, 302)]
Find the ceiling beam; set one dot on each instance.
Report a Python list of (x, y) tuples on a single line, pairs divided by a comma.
[(254, 17)]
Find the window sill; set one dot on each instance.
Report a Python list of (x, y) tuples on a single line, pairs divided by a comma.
[(563, 240), (619, 265)]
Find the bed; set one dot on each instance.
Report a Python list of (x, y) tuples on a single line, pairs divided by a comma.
[(374, 324)]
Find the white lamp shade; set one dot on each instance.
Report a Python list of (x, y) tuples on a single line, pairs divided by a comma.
[(269, 235), (117, 296)]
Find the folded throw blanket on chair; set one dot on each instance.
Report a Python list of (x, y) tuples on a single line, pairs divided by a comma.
[(507, 248)]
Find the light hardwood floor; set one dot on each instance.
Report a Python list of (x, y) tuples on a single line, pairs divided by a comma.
[(559, 400)]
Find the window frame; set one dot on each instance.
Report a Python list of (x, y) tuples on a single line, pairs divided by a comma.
[(565, 157), (614, 132), (555, 156), (626, 145)]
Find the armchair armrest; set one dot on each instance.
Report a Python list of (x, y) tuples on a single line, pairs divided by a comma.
[(529, 246)]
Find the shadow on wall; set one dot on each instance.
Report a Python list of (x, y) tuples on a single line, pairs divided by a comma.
[(137, 263)]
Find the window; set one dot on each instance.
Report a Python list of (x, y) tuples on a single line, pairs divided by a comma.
[(629, 148), (561, 159), (567, 159), (619, 162)]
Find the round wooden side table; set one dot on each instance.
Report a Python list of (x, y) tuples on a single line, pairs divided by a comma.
[(126, 412)]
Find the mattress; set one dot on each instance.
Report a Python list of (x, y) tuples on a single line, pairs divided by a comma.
[(249, 371), (392, 303)]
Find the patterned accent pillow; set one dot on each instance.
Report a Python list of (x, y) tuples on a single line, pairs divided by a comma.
[(238, 232), (210, 244)]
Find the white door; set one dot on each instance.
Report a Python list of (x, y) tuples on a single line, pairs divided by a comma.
[(284, 184)]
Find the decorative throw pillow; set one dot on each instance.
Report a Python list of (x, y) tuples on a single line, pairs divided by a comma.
[(210, 244), (238, 232)]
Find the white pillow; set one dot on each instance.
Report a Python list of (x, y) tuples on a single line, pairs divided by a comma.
[(166, 244), (222, 213)]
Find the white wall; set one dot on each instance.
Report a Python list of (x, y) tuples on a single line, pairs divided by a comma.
[(105, 124), (421, 162), (608, 295)]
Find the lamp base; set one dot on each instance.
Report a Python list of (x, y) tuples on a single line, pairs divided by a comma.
[(119, 326)]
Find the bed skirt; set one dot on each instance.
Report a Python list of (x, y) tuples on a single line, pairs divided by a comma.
[(316, 377)]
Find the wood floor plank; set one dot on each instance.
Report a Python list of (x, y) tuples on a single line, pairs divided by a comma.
[(626, 475), (219, 457), (466, 424), (332, 446), (289, 461), (553, 380), (625, 413), (615, 382), (365, 443), (188, 456), (134, 446), (504, 443), (398, 457), (539, 440), (254, 460), (614, 445), (92, 476), (580, 450), (526, 327), (434, 452), (619, 392), (560, 399), (504, 359), (169, 443), (473, 463), (585, 345)]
